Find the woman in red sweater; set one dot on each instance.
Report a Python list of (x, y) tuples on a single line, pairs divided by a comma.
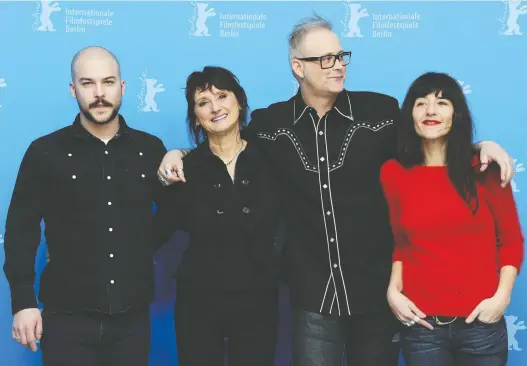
[(458, 241)]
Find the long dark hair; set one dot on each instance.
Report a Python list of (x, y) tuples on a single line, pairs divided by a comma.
[(460, 151), (220, 78)]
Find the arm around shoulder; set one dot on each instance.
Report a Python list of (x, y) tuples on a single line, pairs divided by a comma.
[(509, 234)]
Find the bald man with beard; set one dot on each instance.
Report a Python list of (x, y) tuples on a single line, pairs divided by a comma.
[(93, 184)]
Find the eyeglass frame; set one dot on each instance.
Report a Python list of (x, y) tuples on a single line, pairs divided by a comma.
[(319, 59)]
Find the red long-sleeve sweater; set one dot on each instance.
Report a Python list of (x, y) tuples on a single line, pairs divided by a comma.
[(451, 258)]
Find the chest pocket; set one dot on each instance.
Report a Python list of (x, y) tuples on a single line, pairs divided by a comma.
[(71, 178), (136, 179)]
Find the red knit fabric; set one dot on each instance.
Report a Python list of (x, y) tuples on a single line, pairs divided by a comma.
[(451, 258)]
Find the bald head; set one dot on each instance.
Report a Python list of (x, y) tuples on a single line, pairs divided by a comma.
[(94, 57), (96, 84)]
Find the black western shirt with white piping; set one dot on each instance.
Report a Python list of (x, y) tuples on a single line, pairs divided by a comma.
[(338, 243)]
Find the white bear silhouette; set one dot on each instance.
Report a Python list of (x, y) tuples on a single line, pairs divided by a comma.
[(48, 7), (151, 90), (512, 328), (353, 23), (201, 22), (3, 84), (518, 167), (513, 28)]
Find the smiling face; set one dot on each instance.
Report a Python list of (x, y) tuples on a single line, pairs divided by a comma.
[(217, 111), (433, 116)]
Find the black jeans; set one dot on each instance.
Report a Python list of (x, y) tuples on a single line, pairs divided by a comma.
[(239, 326), (361, 340), (94, 339), (456, 344)]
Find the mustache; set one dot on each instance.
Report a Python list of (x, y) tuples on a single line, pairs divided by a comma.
[(100, 103)]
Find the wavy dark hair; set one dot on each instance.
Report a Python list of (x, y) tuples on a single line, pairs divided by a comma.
[(222, 79), (460, 151)]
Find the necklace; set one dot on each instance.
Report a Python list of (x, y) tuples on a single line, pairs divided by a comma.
[(235, 156)]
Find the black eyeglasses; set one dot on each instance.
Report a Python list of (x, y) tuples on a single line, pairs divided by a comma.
[(328, 61)]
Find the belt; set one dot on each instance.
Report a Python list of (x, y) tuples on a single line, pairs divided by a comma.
[(444, 320)]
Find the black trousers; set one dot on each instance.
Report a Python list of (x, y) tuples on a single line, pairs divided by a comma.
[(238, 326), (361, 340), (94, 339)]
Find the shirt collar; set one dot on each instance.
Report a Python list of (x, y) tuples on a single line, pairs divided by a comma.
[(80, 132), (342, 106)]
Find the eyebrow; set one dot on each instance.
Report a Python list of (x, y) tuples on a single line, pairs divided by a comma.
[(106, 78)]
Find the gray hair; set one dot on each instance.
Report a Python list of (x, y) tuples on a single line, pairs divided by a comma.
[(300, 30)]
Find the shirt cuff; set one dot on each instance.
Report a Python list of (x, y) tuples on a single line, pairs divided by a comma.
[(510, 258), (22, 297), (397, 256)]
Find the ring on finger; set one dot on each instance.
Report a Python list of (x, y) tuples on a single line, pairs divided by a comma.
[(416, 319)]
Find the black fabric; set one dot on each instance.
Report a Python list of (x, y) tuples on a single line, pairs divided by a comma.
[(96, 339), (97, 202), (232, 226), (240, 326), (338, 242)]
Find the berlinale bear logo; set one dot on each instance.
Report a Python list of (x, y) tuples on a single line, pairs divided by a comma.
[(42, 16)]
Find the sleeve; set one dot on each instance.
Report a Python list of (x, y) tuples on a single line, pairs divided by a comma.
[(507, 223), (169, 214), (23, 232), (389, 186), (168, 206)]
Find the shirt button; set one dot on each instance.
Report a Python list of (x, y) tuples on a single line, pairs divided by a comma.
[(321, 133), (328, 213), (111, 255), (219, 212), (322, 159), (332, 240), (140, 154), (110, 229), (70, 154), (106, 152), (246, 210), (217, 185), (109, 203), (335, 265), (108, 177), (74, 176), (325, 186), (142, 175), (112, 282), (245, 182)]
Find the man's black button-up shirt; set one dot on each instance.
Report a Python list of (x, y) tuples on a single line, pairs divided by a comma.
[(96, 201), (338, 242)]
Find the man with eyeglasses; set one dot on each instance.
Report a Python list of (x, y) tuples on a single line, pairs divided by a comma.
[(328, 145)]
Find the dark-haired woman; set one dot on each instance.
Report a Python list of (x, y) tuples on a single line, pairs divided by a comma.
[(459, 244), (226, 300)]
